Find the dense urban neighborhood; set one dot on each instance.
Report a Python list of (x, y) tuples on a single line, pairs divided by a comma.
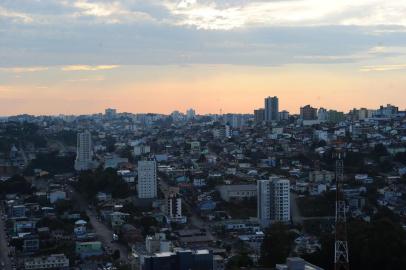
[(204, 192)]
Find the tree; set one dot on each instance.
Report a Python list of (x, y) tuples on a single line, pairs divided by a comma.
[(116, 255), (379, 245), (276, 246), (90, 183), (238, 261)]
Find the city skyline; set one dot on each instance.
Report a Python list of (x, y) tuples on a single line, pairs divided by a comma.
[(80, 56)]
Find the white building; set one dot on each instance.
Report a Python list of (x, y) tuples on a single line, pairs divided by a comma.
[(141, 150), (55, 261), (147, 179), (157, 243), (190, 114), (173, 208), (237, 192), (84, 153), (273, 201)]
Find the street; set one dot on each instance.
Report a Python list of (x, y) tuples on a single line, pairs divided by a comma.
[(104, 233)]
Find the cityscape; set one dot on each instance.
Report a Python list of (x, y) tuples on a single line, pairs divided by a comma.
[(202, 135), (117, 190)]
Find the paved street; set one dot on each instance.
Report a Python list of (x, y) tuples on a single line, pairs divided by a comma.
[(103, 232), (4, 249)]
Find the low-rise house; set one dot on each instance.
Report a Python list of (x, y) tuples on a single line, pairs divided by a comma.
[(88, 249), (54, 261), (237, 192)]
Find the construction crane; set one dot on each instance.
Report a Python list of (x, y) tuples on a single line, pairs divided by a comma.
[(341, 259)]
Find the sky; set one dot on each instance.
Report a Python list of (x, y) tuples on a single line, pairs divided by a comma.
[(82, 56)]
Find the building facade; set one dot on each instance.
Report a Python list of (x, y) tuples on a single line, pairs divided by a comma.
[(271, 109), (273, 197), (84, 153), (147, 179)]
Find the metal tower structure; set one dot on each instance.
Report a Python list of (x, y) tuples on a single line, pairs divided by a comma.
[(341, 259)]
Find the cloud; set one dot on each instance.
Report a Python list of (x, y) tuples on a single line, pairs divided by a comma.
[(111, 12), (88, 68), (23, 69), (383, 68), (15, 16), (231, 14), (90, 79)]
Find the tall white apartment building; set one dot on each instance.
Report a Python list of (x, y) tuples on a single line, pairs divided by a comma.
[(147, 179), (84, 152), (174, 207), (273, 201)]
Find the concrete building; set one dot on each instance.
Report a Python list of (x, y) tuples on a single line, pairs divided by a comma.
[(273, 197), (271, 109), (297, 264), (308, 113), (321, 176), (141, 150), (88, 249), (179, 260), (84, 153), (173, 207), (236, 192), (259, 116), (157, 243), (55, 261), (110, 113), (147, 179), (190, 114), (284, 115)]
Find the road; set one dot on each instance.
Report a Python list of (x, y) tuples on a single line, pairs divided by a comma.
[(4, 249), (104, 233)]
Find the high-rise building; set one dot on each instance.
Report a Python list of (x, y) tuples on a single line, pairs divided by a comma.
[(110, 113), (174, 206), (84, 153), (284, 115), (147, 179), (190, 114), (273, 197), (308, 113), (259, 116), (271, 109)]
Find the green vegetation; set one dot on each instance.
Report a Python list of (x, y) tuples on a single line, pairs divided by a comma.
[(277, 245), (317, 206), (16, 184), (92, 182), (53, 163), (379, 245)]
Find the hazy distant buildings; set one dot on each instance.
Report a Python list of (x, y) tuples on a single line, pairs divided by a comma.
[(387, 111), (84, 152), (308, 113), (271, 109), (110, 113), (284, 115), (273, 198), (259, 116), (190, 114), (147, 179)]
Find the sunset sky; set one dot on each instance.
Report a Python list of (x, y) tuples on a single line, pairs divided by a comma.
[(78, 56)]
